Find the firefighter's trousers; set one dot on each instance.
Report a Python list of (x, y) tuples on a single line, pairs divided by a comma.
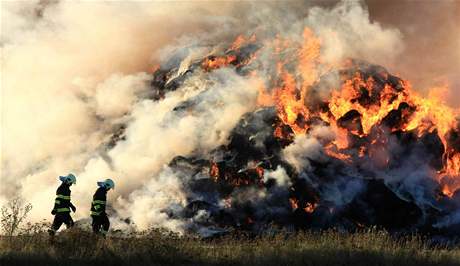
[(61, 218), (101, 223)]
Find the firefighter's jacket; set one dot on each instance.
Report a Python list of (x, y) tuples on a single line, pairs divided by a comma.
[(62, 202), (99, 202)]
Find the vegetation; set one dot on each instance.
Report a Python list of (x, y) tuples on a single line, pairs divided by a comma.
[(76, 247), (12, 215), (30, 245)]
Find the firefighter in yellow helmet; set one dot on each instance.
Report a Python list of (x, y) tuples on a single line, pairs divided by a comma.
[(101, 222), (62, 204)]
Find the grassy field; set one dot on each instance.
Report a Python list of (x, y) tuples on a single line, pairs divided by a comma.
[(153, 248)]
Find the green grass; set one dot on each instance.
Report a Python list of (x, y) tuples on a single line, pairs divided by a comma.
[(370, 247)]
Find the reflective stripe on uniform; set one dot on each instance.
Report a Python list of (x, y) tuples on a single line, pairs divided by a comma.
[(98, 202), (95, 213), (59, 196), (62, 210), (57, 202)]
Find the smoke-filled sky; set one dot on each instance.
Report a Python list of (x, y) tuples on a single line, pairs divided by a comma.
[(73, 72), (431, 36)]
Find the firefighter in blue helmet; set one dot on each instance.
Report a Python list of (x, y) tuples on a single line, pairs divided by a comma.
[(101, 222), (62, 204)]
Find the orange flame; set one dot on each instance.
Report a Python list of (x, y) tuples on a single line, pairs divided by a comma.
[(214, 62), (290, 87), (214, 171), (294, 203), (310, 207), (298, 68)]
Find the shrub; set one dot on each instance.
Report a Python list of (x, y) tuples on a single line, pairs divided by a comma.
[(13, 214)]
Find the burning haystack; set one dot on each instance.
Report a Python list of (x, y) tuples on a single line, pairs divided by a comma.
[(345, 146)]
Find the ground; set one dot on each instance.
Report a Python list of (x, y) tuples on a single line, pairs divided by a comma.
[(370, 247)]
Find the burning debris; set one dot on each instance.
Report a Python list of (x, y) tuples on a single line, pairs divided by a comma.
[(363, 150)]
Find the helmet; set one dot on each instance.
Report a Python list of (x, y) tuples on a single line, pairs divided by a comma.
[(69, 179), (108, 183)]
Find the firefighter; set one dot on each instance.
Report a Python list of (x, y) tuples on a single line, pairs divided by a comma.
[(100, 220), (62, 204)]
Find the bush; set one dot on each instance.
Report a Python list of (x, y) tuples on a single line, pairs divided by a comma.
[(13, 214)]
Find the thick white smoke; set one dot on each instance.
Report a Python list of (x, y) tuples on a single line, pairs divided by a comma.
[(74, 72), (302, 151), (70, 75), (346, 31)]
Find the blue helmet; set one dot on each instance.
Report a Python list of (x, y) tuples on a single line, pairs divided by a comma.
[(69, 179), (108, 184)]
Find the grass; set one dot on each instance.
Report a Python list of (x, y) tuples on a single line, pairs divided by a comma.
[(371, 247)]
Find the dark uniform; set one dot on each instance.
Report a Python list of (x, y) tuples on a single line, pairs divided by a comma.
[(100, 219), (61, 210)]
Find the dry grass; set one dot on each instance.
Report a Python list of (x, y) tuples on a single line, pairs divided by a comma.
[(371, 247)]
